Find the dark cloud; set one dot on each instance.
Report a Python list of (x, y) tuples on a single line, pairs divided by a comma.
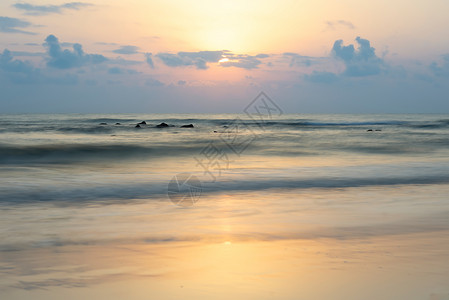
[(66, 59), (360, 62), (37, 10), (321, 77), (332, 25), (12, 25), (127, 50), (197, 59), (149, 60), (442, 69)]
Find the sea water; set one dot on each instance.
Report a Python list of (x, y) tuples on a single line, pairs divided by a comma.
[(295, 207)]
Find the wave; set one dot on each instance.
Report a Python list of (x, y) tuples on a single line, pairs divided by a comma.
[(158, 190), (71, 153), (96, 126)]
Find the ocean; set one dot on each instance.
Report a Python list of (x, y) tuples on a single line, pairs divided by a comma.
[(297, 206)]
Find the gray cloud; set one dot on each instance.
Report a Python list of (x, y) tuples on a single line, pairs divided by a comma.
[(153, 82), (244, 61), (37, 10), (127, 50), (66, 59), (332, 25), (119, 71), (298, 60), (360, 62), (124, 62), (27, 53), (9, 64), (441, 70), (197, 59), (201, 59), (23, 72), (321, 77), (149, 60), (116, 71), (12, 25)]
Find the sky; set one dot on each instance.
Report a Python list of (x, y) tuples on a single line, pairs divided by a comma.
[(198, 56)]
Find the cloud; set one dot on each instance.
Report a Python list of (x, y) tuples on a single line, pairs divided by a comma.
[(9, 64), (182, 82), (115, 71), (441, 70), (12, 25), (27, 53), (124, 62), (298, 60), (66, 59), (321, 77), (149, 60), (38, 10), (333, 25), (153, 82), (127, 50), (360, 62), (197, 59), (119, 71), (243, 61), (201, 59), (23, 72)]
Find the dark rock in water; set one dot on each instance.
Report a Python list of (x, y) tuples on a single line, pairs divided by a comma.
[(215, 131), (225, 126), (118, 124), (143, 123), (137, 126), (369, 130), (187, 126), (162, 125), (378, 129), (103, 123)]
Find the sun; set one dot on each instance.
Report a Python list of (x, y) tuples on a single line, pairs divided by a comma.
[(224, 59)]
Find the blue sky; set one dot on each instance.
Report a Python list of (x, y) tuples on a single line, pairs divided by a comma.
[(210, 56)]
